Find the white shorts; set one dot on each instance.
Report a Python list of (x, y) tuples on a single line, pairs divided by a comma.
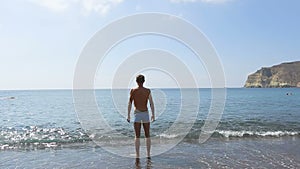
[(141, 116)]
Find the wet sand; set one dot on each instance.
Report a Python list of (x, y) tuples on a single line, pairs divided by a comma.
[(215, 153)]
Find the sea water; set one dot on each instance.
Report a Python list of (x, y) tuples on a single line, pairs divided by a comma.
[(258, 128)]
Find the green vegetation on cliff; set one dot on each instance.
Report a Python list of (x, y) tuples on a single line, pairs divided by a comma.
[(282, 75)]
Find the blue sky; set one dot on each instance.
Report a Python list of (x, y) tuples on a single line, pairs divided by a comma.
[(41, 40)]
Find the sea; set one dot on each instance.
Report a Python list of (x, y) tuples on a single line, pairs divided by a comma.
[(257, 128)]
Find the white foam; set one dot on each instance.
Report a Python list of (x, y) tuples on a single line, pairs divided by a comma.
[(168, 135), (230, 133)]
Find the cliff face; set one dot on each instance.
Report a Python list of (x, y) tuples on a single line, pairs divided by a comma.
[(282, 75)]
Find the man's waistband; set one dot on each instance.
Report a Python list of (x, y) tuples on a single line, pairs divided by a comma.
[(138, 111)]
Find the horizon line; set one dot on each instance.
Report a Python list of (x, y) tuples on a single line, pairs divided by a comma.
[(114, 88)]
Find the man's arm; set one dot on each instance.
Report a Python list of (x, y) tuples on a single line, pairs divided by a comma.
[(129, 106), (152, 107)]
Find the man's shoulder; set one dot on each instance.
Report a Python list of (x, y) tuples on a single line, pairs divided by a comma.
[(133, 89), (146, 89)]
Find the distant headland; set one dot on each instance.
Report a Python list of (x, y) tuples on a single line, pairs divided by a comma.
[(277, 76)]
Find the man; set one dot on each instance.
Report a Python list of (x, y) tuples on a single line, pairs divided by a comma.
[(140, 96)]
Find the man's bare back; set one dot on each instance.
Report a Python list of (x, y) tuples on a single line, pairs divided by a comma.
[(140, 96)]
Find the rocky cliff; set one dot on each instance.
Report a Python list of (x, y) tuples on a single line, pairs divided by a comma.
[(282, 75)]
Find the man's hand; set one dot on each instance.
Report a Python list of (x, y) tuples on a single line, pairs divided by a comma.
[(152, 118), (128, 119)]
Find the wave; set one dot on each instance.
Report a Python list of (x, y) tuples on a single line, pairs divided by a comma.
[(7, 98), (230, 133), (33, 137), (168, 136), (36, 137)]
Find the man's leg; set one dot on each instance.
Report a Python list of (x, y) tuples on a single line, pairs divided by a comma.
[(146, 127), (137, 129)]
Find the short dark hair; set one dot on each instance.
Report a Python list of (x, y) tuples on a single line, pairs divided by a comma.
[(140, 79)]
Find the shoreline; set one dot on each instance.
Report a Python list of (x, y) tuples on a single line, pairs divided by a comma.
[(233, 153)]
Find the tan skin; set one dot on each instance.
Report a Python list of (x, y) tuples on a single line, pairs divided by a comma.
[(140, 96)]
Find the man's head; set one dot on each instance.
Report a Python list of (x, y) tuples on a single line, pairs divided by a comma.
[(140, 79)]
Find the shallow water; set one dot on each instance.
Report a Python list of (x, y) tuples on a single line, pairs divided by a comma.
[(234, 153)]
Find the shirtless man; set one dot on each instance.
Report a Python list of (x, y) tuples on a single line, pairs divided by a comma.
[(140, 96)]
